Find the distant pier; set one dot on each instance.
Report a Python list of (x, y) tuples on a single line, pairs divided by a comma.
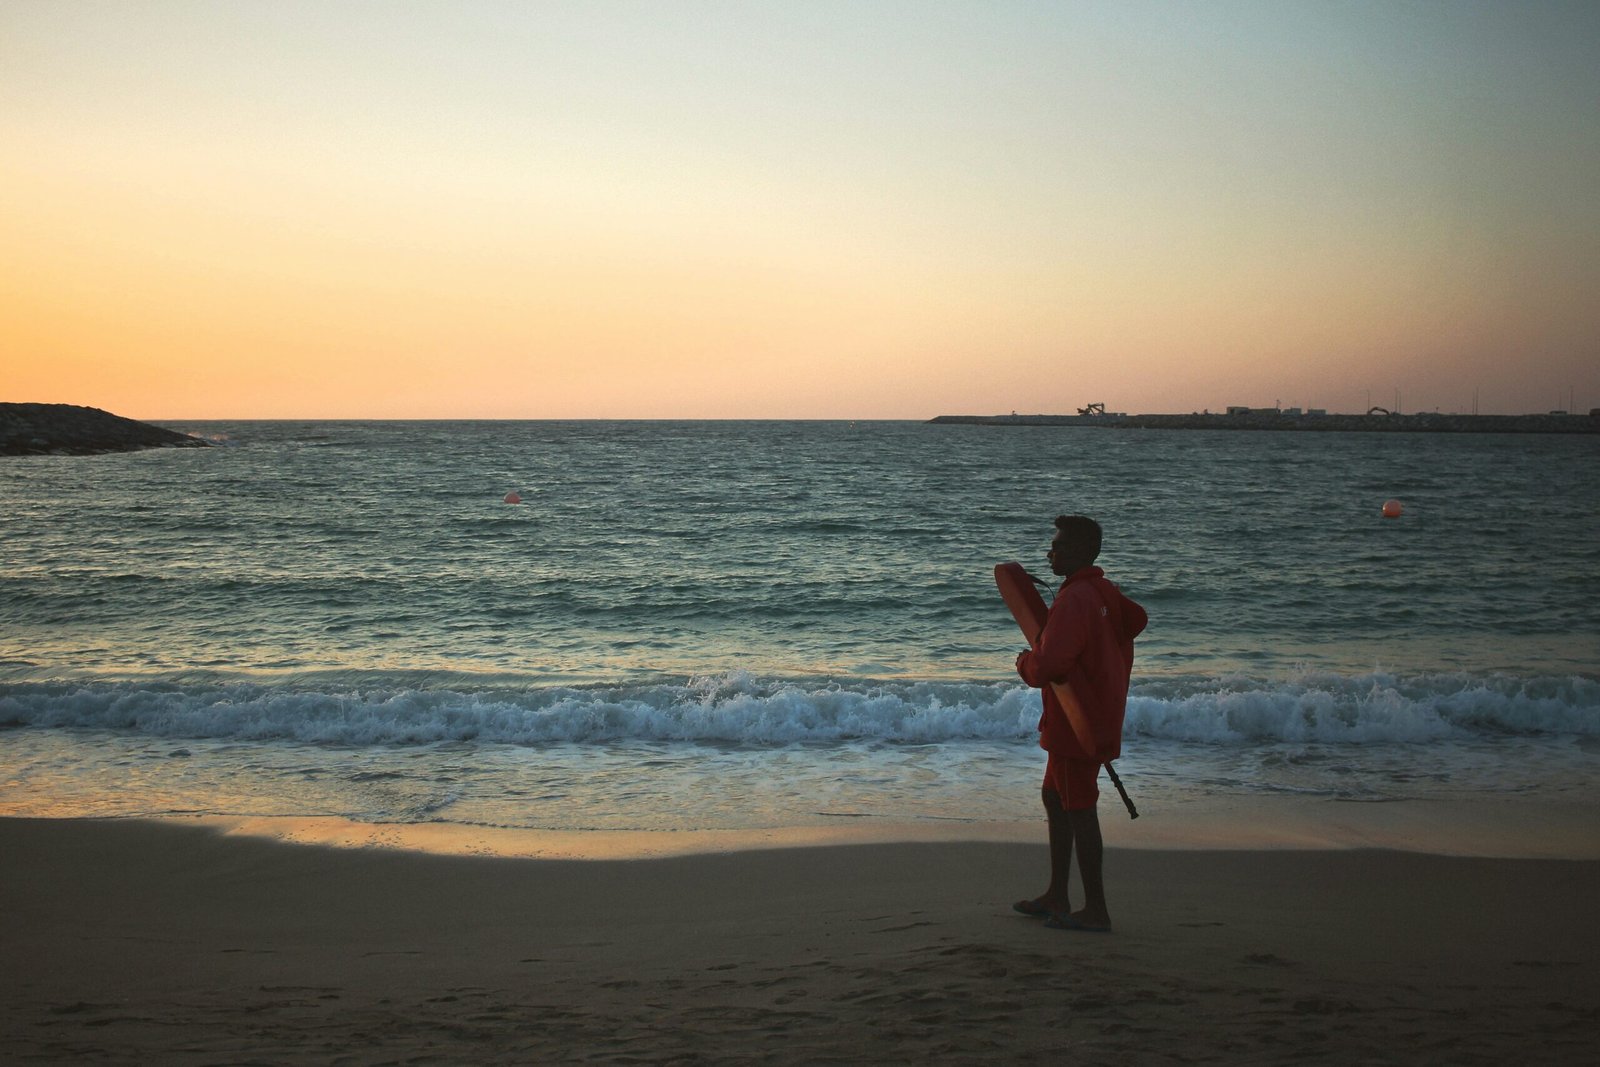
[(1422, 422)]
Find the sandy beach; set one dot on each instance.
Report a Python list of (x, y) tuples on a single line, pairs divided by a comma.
[(136, 942)]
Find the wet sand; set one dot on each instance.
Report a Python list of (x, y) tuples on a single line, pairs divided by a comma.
[(133, 942)]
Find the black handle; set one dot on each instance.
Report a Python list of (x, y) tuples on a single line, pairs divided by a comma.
[(1133, 812)]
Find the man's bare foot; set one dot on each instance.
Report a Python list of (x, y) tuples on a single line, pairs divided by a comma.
[(1038, 907), (1081, 921)]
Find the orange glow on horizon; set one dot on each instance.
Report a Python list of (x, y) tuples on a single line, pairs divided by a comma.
[(582, 211)]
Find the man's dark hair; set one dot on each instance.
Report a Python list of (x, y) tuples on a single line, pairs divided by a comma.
[(1079, 536)]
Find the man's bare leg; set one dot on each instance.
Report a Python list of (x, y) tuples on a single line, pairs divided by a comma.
[(1055, 900), (1085, 829)]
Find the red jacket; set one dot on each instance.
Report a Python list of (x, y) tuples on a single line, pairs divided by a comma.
[(1087, 643)]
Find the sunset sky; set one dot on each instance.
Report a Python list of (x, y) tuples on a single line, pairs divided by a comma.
[(800, 209)]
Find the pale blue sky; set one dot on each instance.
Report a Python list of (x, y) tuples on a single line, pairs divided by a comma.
[(829, 209)]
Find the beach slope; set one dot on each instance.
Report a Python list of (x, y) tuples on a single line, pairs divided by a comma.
[(129, 942)]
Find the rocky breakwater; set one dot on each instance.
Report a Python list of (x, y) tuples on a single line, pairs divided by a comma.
[(70, 430), (1423, 422)]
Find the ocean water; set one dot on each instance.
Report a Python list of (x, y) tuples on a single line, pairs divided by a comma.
[(689, 626)]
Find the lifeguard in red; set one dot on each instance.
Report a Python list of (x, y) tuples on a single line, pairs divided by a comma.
[(1087, 643), (1086, 647)]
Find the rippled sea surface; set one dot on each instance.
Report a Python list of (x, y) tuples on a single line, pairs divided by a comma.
[(736, 624)]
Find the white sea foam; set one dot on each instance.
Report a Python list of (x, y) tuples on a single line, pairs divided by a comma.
[(741, 709), (1362, 709)]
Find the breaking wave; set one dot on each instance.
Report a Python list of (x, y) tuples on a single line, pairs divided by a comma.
[(741, 709)]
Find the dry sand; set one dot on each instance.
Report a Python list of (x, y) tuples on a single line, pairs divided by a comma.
[(159, 944)]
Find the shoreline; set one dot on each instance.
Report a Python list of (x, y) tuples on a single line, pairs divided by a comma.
[(147, 942), (1512, 830), (1481, 827)]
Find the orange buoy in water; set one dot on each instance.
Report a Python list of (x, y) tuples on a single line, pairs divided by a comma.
[(514, 497), (1392, 509)]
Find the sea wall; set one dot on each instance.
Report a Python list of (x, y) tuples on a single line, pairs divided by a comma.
[(1423, 422), (70, 430)]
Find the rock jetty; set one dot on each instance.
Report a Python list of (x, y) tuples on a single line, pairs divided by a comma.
[(70, 430), (1422, 422)]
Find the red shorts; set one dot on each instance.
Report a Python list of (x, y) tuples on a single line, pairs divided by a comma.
[(1073, 780)]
